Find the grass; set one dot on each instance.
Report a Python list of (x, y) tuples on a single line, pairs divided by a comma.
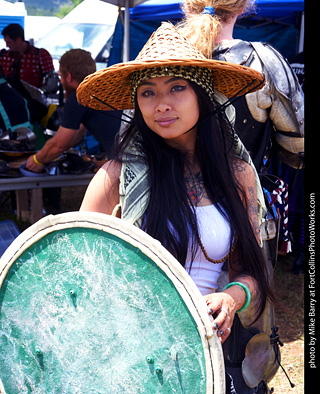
[(289, 289)]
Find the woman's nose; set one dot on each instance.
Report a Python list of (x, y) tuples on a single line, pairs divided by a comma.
[(163, 105)]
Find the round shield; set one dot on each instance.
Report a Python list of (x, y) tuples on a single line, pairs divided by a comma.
[(91, 304)]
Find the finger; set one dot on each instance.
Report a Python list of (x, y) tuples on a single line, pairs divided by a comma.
[(224, 329), (212, 310), (221, 317), (223, 334), (213, 307)]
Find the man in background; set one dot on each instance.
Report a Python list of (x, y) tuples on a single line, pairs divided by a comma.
[(75, 65), (23, 61)]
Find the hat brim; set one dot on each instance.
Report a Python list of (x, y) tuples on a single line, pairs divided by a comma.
[(112, 85)]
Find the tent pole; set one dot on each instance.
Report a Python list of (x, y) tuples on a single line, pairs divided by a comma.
[(301, 38), (126, 34)]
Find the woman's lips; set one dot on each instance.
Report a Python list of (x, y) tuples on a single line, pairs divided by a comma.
[(165, 122)]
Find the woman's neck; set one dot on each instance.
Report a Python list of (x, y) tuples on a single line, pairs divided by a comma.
[(185, 143), (226, 33)]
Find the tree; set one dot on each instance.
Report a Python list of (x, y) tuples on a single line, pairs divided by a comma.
[(65, 9)]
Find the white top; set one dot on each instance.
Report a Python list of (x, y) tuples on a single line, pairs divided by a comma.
[(215, 232)]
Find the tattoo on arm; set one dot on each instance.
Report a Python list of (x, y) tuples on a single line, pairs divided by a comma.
[(239, 166), (246, 181), (251, 284), (253, 212)]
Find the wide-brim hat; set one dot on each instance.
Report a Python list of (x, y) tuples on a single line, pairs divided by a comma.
[(166, 47)]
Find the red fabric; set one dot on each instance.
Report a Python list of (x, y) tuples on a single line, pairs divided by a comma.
[(32, 66)]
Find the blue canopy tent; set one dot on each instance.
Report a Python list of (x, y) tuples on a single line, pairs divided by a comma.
[(170, 9), (275, 21)]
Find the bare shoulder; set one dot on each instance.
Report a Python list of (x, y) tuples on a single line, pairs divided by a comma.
[(102, 194), (243, 172), (112, 168), (108, 175)]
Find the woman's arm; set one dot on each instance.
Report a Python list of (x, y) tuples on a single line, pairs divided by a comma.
[(102, 194), (245, 177), (227, 302)]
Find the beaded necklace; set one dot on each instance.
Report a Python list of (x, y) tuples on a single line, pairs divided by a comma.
[(209, 258)]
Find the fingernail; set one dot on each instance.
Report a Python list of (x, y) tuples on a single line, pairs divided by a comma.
[(221, 332), (215, 325), (210, 311)]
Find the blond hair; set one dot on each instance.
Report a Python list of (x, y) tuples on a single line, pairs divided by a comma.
[(203, 29)]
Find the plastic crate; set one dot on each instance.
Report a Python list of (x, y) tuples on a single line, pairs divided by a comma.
[(8, 233)]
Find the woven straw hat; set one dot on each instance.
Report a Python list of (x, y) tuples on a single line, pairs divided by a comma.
[(166, 47)]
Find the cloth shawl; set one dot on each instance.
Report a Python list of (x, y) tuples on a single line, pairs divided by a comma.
[(134, 188)]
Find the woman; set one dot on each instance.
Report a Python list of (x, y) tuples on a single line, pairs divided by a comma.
[(180, 173)]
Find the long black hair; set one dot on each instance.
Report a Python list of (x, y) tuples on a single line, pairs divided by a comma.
[(170, 216)]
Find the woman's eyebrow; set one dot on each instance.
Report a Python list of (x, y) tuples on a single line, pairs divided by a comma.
[(149, 83), (173, 79)]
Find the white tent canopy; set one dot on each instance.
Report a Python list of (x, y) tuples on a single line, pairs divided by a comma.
[(16, 9), (92, 11)]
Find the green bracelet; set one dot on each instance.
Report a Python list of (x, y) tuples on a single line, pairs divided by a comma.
[(245, 306)]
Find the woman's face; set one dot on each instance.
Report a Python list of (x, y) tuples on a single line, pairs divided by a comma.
[(169, 107)]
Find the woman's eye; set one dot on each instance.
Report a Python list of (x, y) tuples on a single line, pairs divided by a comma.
[(147, 93), (178, 88)]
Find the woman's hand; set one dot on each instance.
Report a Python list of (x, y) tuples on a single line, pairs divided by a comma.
[(224, 304)]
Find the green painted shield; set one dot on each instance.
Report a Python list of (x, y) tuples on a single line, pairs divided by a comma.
[(96, 306)]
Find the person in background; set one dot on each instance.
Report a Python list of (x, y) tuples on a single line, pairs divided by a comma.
[(75, 65), (181, 174), (23, 61), (30, 71), (275, 112), (14, 112)]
